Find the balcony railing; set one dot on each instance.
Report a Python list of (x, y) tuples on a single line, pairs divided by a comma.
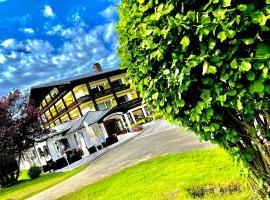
[(98, 94), (121, 87), (131, 104)]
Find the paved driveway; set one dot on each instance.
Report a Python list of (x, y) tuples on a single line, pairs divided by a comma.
[(158, 139)]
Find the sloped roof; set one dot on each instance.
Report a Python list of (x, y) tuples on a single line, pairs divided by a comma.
[(89, 118), (38, 92), (71, 79)]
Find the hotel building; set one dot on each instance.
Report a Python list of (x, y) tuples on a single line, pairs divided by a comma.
[(84, 113)]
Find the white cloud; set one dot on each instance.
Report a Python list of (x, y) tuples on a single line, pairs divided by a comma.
[(8, 42), (55, 29), (28, 30), (1, 1), (37, 61), (48, 12), (109, 12), (2, 59)]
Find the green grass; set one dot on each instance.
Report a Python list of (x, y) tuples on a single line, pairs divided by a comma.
[(171, 177), (24, 175), (27, 187)]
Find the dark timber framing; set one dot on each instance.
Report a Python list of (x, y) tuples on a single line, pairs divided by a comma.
[(65, 86)]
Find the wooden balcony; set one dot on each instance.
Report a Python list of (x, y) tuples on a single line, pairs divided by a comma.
[(98, 94), (121, 87), (130, 104)]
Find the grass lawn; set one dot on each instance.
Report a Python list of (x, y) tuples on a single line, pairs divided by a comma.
[(207, 174), (27, 187)]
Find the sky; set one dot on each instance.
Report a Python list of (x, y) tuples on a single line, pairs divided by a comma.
[(43, 41)]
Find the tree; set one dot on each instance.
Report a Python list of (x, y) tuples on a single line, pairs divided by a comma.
[(19, 126), (205, 65)]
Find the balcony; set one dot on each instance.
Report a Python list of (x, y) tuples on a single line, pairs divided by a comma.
[(98, 94), (131, 104), (121, 87)]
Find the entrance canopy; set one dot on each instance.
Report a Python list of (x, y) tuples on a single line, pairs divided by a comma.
[(89, 118)]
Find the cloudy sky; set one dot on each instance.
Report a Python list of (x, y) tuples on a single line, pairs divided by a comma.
[(42, 41)]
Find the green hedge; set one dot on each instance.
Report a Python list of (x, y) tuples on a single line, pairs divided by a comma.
[(204, 65)]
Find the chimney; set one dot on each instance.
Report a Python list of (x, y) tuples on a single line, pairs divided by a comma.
[(97, 67)]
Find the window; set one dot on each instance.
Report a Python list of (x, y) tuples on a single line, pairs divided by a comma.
[(53, 111), (64, 144), (138, 114), (68, 98), (48, 114), (48, 98), (98, 88), (130, 118), (54, 92), (43, 103), (46, 150), (80, 91), (104, 105), (87, 106), (123, 99), (60, 105), (65, 118), (117, 83), (57, 122), (74, 114)]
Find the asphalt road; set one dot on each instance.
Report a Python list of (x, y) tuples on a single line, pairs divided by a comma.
[(158, 139)]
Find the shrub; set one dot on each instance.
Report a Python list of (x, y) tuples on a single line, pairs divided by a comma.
[(141, 121), (34, 172), (205, 65), (157, 116)]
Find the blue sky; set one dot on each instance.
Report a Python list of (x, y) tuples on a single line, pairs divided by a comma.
[(42, 41)]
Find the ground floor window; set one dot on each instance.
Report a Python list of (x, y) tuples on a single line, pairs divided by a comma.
[(138, 114), (123, 99), (130, 118), (64, 144), (104, 105)]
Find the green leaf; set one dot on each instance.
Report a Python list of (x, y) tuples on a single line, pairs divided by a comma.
[(166, 71), (185, 41), (205, 95), (141, 1), (248, 41), (242, 7), (232, 92), (251, 76), (205, 67), (231, 33), (265, 72), (263, 51), (180, 103), (239, 104), (245, 66), (212, 44), (155, 96), (211, 69), (256, 87), (267, 1), (222, 36), (234, 64), (226, 3)]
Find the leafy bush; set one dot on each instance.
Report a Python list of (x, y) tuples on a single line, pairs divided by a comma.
[(157, 116), (205, 65), (34, 172), (142, 121)]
